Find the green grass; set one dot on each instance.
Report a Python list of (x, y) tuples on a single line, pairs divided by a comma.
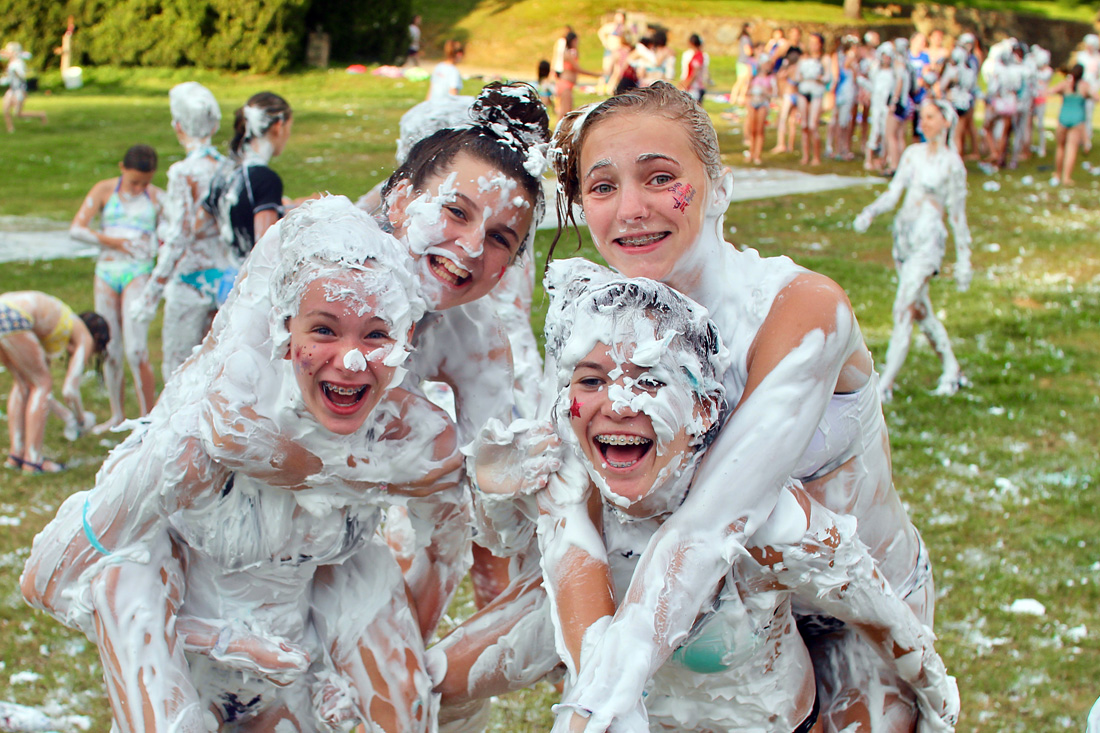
[(1001, 479)]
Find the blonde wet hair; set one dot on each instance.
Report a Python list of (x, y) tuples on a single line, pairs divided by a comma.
[(660, 98)]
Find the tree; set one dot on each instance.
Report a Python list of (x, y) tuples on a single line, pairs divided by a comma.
[(852, 9)]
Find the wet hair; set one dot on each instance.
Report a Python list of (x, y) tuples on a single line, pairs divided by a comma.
[(255, 118), (452, 48), (194, 109), (660, 98), (98, 328), (140, 158), (544, 69), (695, 40), (660, 39), (101, 335), (1077, 71), (570, 39), (508, 126), (581, 290)]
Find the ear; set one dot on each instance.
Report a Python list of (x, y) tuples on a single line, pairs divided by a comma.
[(721, 193)]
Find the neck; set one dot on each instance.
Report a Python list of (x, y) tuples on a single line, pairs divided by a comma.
[(194, 144), (259, 150), (699, 273)]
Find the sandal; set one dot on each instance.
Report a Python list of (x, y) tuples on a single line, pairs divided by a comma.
[(14, 462), (46, 466)]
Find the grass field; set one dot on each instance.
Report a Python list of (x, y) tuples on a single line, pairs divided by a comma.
[(1001, 478)]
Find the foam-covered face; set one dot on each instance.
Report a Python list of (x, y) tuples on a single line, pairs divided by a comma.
[(932, 123), (618, 440), (644, 191), (134, 182), (464, 227), (337, 355)]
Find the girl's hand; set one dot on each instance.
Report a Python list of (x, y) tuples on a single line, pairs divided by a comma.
[(862, 222)]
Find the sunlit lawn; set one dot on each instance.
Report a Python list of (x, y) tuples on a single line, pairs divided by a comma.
[(1001, 479)]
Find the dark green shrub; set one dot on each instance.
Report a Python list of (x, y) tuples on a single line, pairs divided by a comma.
[(363, 30)]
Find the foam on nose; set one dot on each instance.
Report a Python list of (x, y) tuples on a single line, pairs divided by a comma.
[(355, 361)]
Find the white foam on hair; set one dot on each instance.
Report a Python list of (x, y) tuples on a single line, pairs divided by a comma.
[(195, 109)]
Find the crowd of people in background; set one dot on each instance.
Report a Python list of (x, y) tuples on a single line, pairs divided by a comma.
[(874, 90), (672, 514)]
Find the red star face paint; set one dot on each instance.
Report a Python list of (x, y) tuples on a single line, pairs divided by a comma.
[(683, 194), (575, 408)]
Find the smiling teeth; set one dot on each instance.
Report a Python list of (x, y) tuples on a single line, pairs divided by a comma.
[(623, 439), (640, 241), (345, 391), (453, 268)]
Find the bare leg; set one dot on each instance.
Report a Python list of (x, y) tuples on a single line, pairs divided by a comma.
[(1073, 140), (29, 398), (936, 334), (148, 679), (911, 282), (108, 305), (364, 618), (135, 334), (781, 127), (1059, 151)]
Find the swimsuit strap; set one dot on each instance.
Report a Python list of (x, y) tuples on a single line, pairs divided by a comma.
[(89, 533)]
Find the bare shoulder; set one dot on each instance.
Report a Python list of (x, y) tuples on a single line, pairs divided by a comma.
[(811, 298)]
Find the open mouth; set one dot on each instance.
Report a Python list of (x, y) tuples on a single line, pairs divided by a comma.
[(641, 240), (343, 399), (447, 271), (623, 451)]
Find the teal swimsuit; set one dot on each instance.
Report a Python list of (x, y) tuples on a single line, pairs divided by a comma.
[(138, 219), (1073, 110)]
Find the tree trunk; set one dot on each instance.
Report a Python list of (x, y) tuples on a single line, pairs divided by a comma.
[(852, 8)]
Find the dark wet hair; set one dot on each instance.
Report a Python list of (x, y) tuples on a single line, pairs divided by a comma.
[(140, 158), (695, 40), (101, 335), (544, 69), (1077, 71), (275, 108), (507, 120)]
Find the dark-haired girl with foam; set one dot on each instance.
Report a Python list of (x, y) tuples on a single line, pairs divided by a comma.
[(246, 197), (34, 329), (128, 207)]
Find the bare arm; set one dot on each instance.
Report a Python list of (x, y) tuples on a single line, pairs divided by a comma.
[(80, 348), (831, 570), (808, 339), (891, 196), (80, 228)]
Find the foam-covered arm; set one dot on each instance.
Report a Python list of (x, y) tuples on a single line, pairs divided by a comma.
[(176, 231), (956, 213), (891, 196), (734, 492), (830, 569)]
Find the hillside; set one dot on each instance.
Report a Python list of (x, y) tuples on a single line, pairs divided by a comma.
[(515, 34)]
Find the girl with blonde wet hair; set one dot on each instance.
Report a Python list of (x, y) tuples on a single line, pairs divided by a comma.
[(246, 196), (128, 208), (933, 178), (803, 396), (36, 328)]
